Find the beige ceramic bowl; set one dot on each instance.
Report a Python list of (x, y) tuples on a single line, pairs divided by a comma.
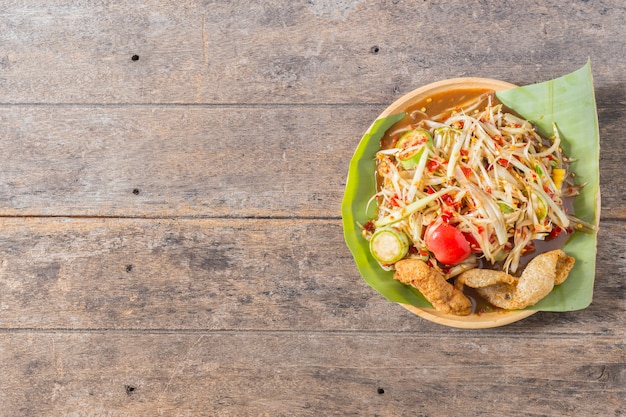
[(474, 321)]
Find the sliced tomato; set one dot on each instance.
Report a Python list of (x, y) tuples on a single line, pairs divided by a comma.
[(447, 243), (474, 246)]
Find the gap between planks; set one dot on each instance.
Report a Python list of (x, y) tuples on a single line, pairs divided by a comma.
[(190, 217), (443, 333), (195, 105)]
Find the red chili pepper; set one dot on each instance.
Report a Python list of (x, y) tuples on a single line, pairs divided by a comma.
[(504, 162), (448, 200), (432, 164), (446, 216), (556, 231), (467, 171)]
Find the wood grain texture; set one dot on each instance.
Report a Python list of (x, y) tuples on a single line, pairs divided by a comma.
[(308, 374), (233, 161), (178, 161), (229, 275), (170, 232), (274, 51)]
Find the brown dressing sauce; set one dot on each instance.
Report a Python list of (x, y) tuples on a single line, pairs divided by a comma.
[(436, 105)]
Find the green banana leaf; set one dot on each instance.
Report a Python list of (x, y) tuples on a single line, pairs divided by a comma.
[(568, 102)]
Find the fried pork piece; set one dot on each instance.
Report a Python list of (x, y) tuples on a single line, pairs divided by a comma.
[(510, 293), (440, 293)]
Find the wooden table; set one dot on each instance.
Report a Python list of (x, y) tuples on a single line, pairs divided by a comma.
[(171, 174)]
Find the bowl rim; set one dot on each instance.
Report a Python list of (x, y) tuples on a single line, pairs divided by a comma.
[(416, 95), (473, 321)]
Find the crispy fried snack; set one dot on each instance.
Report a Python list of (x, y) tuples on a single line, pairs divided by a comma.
[(510, 293), (440, 293)]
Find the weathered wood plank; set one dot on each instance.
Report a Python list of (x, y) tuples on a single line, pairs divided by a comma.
[(259, 161), (231, 275), (202, 269), (308, 374), (177, 161), (612, 162), (59, 51)]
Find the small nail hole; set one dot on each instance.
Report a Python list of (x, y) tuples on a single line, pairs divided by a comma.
[(375, 49), (136, 191), (381, 391), (135, 57), (129, 389), (129, 268)]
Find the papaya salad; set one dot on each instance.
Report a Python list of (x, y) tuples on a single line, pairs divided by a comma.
[(474, 186)]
